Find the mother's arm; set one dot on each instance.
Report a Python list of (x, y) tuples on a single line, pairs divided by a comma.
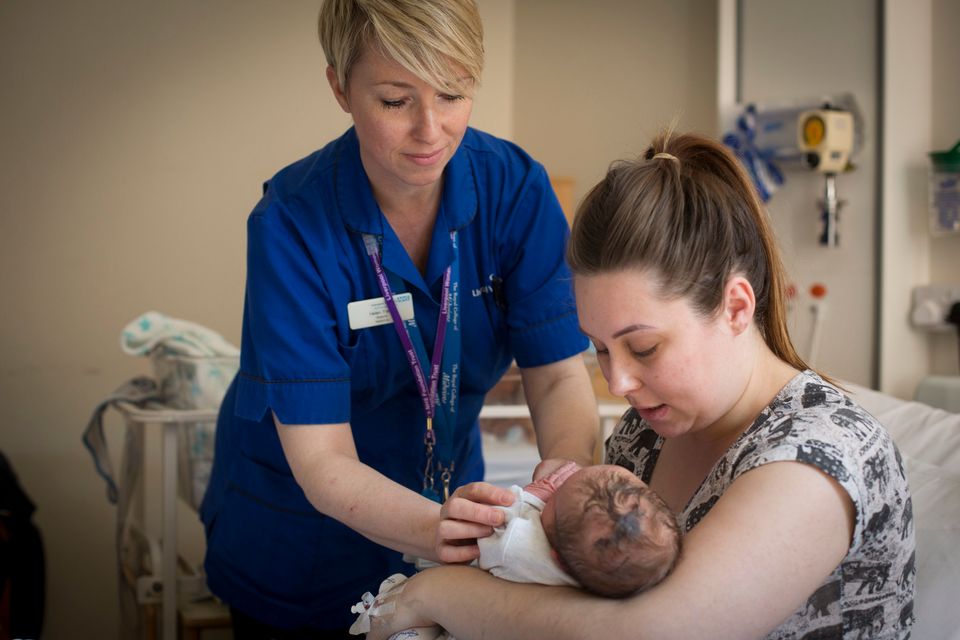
[(767, 544)]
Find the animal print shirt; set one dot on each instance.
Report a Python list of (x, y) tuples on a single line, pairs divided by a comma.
[(870, 595)]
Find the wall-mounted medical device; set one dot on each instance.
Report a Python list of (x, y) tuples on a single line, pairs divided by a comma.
[(825, 139), (821, 134)]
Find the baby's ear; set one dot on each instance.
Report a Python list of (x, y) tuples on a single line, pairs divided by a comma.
[(556, 558)]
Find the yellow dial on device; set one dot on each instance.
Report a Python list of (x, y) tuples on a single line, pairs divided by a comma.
[(813, 131)]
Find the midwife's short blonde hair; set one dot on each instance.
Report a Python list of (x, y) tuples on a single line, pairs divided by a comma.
[(436, 40)]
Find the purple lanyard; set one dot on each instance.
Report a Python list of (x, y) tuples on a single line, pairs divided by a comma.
[(427, 394)]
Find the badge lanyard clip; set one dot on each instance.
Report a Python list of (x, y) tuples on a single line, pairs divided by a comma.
[(429, 439)]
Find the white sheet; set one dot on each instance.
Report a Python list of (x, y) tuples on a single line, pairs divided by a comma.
[(929, 441)]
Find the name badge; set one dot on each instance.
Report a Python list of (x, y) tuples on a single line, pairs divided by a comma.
[(374, 312)]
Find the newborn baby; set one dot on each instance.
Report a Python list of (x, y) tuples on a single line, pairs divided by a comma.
[(598, 527)]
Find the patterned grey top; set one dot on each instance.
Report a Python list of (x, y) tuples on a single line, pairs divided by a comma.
[(870, 595)]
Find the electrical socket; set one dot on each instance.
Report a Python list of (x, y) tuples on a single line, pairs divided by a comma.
[(931, 303)]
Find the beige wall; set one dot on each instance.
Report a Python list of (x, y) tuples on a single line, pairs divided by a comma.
[(792, 52), (493, 107), (907, 97), (595, 81), (135, 137), (920, 57), (920, 112)]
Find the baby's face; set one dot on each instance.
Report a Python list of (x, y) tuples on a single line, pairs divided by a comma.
[(572, 496)]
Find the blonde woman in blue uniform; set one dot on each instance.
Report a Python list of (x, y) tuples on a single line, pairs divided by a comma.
[(392, 277)]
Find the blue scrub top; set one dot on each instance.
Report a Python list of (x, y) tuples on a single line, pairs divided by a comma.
[(269, 552)]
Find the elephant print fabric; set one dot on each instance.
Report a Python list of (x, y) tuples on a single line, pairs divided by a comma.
[(870, 594)]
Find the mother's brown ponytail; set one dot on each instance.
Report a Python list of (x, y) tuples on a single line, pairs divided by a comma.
[(687, 212)]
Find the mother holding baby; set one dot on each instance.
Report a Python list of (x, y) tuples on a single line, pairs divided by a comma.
[(792, 499)]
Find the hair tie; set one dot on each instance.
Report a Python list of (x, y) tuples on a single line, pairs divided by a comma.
[(667, 156)]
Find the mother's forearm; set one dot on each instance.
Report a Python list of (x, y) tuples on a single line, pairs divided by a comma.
[(470, 604)]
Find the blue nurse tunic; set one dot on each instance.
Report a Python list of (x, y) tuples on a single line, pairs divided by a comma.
[(269, 552)]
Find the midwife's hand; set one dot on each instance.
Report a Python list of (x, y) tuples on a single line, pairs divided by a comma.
[(469, 514)]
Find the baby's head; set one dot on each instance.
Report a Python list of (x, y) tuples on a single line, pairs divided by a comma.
[(611, 531)]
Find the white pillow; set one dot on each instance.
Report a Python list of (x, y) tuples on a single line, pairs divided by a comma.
[(929, 441), (936, 513), (921, 432)]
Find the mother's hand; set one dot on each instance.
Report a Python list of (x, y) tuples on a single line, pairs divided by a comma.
[(397, 610), (467, 515)]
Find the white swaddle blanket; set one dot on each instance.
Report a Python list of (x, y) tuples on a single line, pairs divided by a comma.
[(519, 550)]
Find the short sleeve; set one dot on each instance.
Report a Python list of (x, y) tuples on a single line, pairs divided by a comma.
[(538, 286), (291, 360), (816, 446)]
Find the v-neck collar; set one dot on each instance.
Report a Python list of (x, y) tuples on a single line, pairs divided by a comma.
[(361, 213)]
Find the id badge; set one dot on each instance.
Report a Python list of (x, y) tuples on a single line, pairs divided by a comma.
[(374, 312)]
